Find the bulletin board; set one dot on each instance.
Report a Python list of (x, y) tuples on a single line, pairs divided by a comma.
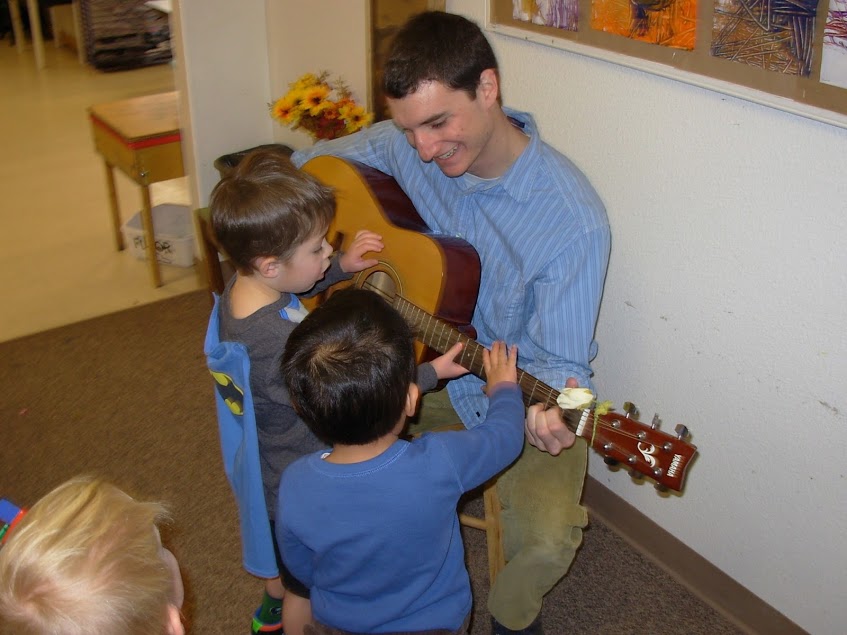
[(787, 54)]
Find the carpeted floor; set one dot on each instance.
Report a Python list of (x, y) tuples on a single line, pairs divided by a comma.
[(127, 397)]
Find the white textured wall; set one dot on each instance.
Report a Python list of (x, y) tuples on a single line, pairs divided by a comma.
[(725, 308)]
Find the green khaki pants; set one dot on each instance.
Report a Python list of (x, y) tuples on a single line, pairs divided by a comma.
[(542, 519)]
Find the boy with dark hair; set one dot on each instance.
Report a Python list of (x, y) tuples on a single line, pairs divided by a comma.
[(271, 220), (371, 526)]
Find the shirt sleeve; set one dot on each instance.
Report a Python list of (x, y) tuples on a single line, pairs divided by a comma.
[(371, 146), (426, 378), (483, 451), (333, 275), (566, 304)]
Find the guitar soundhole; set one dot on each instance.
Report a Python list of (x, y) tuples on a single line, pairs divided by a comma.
[(382, 281)]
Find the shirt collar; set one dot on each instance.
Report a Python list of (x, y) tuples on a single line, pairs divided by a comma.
[(517, 182), (514, 182)]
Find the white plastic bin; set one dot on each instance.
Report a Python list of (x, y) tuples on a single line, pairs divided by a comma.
[(174, 233)]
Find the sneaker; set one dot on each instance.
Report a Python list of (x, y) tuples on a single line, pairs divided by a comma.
[(533, 629), (267, 627)]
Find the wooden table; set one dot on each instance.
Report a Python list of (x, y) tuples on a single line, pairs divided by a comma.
[(141, 137)]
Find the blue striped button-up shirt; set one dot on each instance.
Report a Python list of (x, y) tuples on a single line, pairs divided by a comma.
[(543, 240)]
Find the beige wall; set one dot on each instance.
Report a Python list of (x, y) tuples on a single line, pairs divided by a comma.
[(222, 72), (311, 41), (233, 58)]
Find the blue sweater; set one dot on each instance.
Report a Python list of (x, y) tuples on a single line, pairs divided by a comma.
[(378, 542)]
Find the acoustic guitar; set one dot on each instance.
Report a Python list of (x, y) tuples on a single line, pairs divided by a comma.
[(433, 281)]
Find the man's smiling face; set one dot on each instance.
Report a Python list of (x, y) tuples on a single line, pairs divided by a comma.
[(447, 126)]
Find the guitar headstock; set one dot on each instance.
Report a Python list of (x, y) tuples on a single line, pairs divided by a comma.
[(640, 447)]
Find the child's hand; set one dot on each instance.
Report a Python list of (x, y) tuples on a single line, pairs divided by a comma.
[(445, 367), (500, 364), (351, 260)]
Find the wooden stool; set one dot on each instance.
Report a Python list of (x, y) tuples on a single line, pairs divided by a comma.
[(218, 272), (141, 137), (209, 251), (490, 524)]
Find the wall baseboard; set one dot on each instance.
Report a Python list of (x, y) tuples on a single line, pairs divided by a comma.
[(736, 603)]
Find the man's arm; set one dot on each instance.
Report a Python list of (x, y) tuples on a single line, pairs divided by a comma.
[(567, 302), (370, 146), (485, 450), (564, 316)]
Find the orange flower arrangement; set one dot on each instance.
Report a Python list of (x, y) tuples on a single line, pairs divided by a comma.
[(324, 109)]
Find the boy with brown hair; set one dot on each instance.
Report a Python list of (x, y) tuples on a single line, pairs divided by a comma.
[(271, 220)]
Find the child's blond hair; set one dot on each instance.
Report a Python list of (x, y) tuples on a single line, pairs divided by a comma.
[(86, 559)]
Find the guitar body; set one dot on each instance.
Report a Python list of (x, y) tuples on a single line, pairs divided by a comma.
[(440, 274)]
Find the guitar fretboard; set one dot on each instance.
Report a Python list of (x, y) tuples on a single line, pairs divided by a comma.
[(440, 336)]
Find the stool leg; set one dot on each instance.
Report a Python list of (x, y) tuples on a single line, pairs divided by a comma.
[(80, 42), (113, 204), (17, 25), (214, 275), (35, 30), (149, 236)]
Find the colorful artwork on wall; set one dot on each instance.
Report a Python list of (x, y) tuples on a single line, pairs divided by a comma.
[(775, 35), (560, 14), (780, 53), (834, 54), (670, 23)]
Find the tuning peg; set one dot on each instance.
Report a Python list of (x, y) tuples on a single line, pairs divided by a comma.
[(660, 488), (636, 475), (655, 422), (681, 431), (610, 461), (630, 410)]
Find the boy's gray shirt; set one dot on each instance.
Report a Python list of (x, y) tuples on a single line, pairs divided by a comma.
[(283, 437)]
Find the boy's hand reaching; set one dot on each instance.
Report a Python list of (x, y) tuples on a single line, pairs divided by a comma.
[(445, 366), (351, 261), (500, 364)]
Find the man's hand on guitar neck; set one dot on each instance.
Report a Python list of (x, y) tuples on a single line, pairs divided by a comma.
[(546, 430)]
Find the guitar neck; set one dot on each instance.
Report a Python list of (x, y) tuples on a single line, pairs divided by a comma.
[(440, 336)]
